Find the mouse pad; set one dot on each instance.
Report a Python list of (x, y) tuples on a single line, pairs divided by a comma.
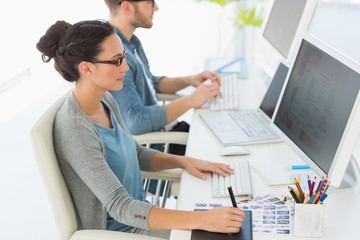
[(245, 233)]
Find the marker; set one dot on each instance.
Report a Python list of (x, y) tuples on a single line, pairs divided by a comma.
[(232, 197), (322, 198), (300, 167)]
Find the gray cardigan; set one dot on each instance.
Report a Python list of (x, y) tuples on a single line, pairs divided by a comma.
[(94, 188)]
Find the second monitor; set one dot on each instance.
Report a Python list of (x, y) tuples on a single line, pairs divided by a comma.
[(282, 31), (319, 113)]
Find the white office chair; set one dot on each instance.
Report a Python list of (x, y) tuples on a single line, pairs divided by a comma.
[(60, 200), (165, 138), (172, 176)]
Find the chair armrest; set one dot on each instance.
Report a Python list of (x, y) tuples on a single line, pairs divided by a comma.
[(164, 97), (172, 175), (162, 138), (109, 235)]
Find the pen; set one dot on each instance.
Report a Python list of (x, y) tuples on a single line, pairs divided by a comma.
[(299, 167), (232, 197), (291, 190)]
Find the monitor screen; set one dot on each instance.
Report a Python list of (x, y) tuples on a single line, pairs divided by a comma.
[(285, 23), (318, 108), (272, 95)]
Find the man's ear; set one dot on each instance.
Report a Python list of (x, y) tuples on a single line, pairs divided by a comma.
[(86, 68), (126, 7)]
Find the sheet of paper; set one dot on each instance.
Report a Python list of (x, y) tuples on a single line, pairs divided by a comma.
[(270, 215), (225, 64), (281, 172), (236, 65)]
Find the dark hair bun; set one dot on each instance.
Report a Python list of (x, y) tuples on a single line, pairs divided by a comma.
[(49, 43)]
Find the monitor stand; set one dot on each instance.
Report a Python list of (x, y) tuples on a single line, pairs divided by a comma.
[(351, 177)]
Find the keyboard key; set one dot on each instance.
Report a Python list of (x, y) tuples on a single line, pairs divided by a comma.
[(230, 96), (240, 181), (252, 123)]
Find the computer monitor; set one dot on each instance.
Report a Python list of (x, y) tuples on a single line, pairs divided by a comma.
[(346, 37), (281, 32), (318, 114)]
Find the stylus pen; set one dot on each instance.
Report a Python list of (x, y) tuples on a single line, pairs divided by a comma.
[(232, 197)]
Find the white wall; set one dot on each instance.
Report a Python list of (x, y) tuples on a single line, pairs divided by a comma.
[(184, 33)]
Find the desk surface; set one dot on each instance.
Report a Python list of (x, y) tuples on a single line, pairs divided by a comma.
[(341, 208)]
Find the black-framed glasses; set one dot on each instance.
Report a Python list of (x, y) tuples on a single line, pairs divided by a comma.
[(152, 1), (116, 62)]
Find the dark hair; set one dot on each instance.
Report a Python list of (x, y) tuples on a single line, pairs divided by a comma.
[(70, 44), (112, 4)]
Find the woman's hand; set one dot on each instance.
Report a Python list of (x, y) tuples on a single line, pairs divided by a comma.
[(223, 219), (198, 168)]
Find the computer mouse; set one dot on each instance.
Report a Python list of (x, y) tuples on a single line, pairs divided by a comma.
[(233, 151)]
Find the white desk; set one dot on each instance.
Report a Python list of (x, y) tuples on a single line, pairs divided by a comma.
[(342, 209)]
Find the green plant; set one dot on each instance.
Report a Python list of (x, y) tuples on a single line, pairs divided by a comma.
[(220, 2), (248, 17)]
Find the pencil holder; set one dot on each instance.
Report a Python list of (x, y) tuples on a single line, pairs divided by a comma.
[(308, 220)]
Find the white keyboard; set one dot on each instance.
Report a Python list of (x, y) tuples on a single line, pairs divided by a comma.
[(240, 181), (252, 123), (229, 99)]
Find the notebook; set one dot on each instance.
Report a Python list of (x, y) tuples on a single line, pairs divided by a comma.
[(248, 126), (246, 232)]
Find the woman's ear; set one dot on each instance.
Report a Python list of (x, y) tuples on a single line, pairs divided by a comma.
[(86, 68)]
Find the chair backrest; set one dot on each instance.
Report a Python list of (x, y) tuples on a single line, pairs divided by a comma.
[(60, 200)]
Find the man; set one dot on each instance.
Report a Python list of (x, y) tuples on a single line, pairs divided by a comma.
[(139, 106)]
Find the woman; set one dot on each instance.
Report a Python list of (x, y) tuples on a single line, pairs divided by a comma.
[(99, 159)]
